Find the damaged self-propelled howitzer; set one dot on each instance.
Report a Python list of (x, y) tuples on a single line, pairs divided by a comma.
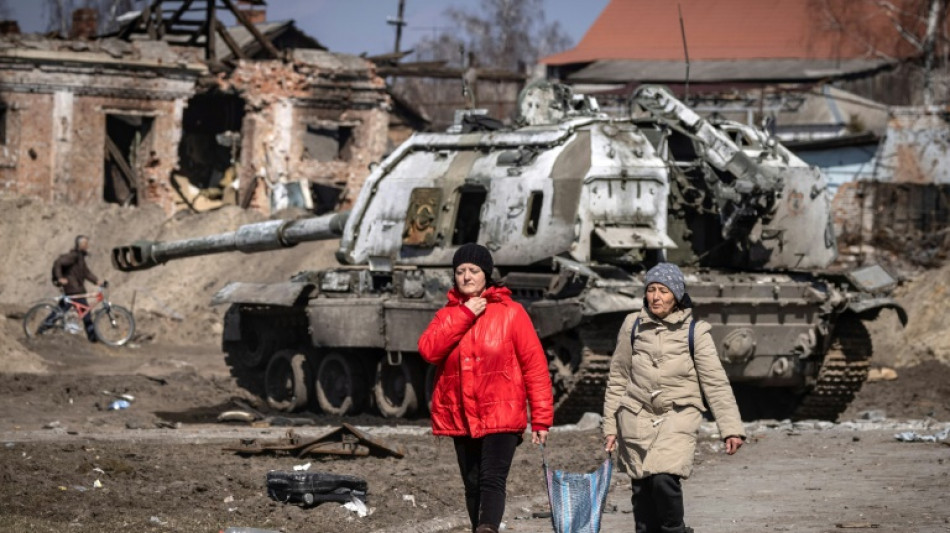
[(574, 206)]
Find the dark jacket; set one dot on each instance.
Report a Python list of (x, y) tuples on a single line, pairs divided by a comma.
[(489, 368), (72, 266)]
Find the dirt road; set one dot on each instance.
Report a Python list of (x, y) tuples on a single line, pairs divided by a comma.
[(161, 467)]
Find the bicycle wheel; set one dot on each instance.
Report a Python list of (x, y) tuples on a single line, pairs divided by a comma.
[(41, 319), (114, 325)]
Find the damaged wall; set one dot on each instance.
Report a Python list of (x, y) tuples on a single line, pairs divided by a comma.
[(904, 208), (905, 220), (85, 122), (322, 117), (59, 98)]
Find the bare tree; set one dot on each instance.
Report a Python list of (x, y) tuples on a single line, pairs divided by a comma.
[(59, 12), (505, 34), (919, 30), (508, 35)]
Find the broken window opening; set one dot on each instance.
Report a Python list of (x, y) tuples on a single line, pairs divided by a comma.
[(328, 142), (535, 201), (126, 152), (467, 219), (210, 145)]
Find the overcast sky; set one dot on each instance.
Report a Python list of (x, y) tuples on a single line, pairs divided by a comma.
[(356, 26)]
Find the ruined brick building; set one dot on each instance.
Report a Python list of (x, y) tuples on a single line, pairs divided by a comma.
[(142, 117)]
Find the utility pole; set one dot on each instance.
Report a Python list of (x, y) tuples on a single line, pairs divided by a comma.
[(398, 22)]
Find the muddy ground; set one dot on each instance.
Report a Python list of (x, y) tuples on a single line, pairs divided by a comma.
[(161, 467)]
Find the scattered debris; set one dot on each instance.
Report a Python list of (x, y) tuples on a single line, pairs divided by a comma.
[(344, 440), (157, 520), (119, 404), (409, 498), (127, 397), (874, 415), (357, 506), (913, 436), (303, 467), (882, 373), (97, 484), (310, 488), (857, 525), (237, 416), (287, 421)]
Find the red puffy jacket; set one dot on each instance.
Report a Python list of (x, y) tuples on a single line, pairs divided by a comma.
[(488, 366)]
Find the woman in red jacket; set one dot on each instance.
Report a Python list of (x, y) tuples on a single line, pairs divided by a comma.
[(491, 366)]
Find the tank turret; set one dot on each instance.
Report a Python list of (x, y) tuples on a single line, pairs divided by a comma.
[(575, 205)]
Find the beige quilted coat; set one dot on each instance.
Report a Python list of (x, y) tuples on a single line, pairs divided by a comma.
[(653, 402)]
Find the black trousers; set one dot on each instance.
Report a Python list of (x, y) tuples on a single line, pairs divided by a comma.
[(484, 464), (87, 320), (658, 504)]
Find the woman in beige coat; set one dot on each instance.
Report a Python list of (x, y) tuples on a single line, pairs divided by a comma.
[(654, 400)]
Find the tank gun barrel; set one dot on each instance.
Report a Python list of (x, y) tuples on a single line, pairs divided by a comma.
[(250, 238)]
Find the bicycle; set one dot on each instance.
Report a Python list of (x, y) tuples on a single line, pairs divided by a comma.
[(113, 324)]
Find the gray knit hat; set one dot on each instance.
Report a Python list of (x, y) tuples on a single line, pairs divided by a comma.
[(669, 275)]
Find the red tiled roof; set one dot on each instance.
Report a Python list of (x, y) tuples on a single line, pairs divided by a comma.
[(739, 29)]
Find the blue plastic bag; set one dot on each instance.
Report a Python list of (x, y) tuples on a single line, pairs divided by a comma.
[(577, 500)]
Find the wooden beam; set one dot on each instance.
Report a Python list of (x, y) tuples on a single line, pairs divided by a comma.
[(175, 17), (228, 40), (209, 30), (150, 23), (130, 28), (264, 41), (130, 178)]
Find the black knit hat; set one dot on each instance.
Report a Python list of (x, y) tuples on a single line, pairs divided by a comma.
[(475, 254)]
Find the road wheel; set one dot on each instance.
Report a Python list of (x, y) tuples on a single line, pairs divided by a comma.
[(256, 344), (339, 385), (396, 388), (114, 325), (41, 319), (285, 381)]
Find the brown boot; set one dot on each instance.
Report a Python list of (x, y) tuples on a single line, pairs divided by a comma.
[(486, 528)]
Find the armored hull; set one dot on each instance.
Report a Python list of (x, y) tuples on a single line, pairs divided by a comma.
[(575, 206)]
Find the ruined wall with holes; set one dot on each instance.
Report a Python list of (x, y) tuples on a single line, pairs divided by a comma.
[(56, 98), (321, 117), (910, 220), (905, 209)]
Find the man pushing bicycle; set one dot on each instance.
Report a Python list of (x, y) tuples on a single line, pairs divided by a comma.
[(70, 272)]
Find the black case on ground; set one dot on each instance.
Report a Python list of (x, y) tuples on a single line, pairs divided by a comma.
[(310, 488)]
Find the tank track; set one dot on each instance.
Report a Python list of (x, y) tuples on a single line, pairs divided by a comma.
[(842, 373), (248, 369), (584, 391)]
